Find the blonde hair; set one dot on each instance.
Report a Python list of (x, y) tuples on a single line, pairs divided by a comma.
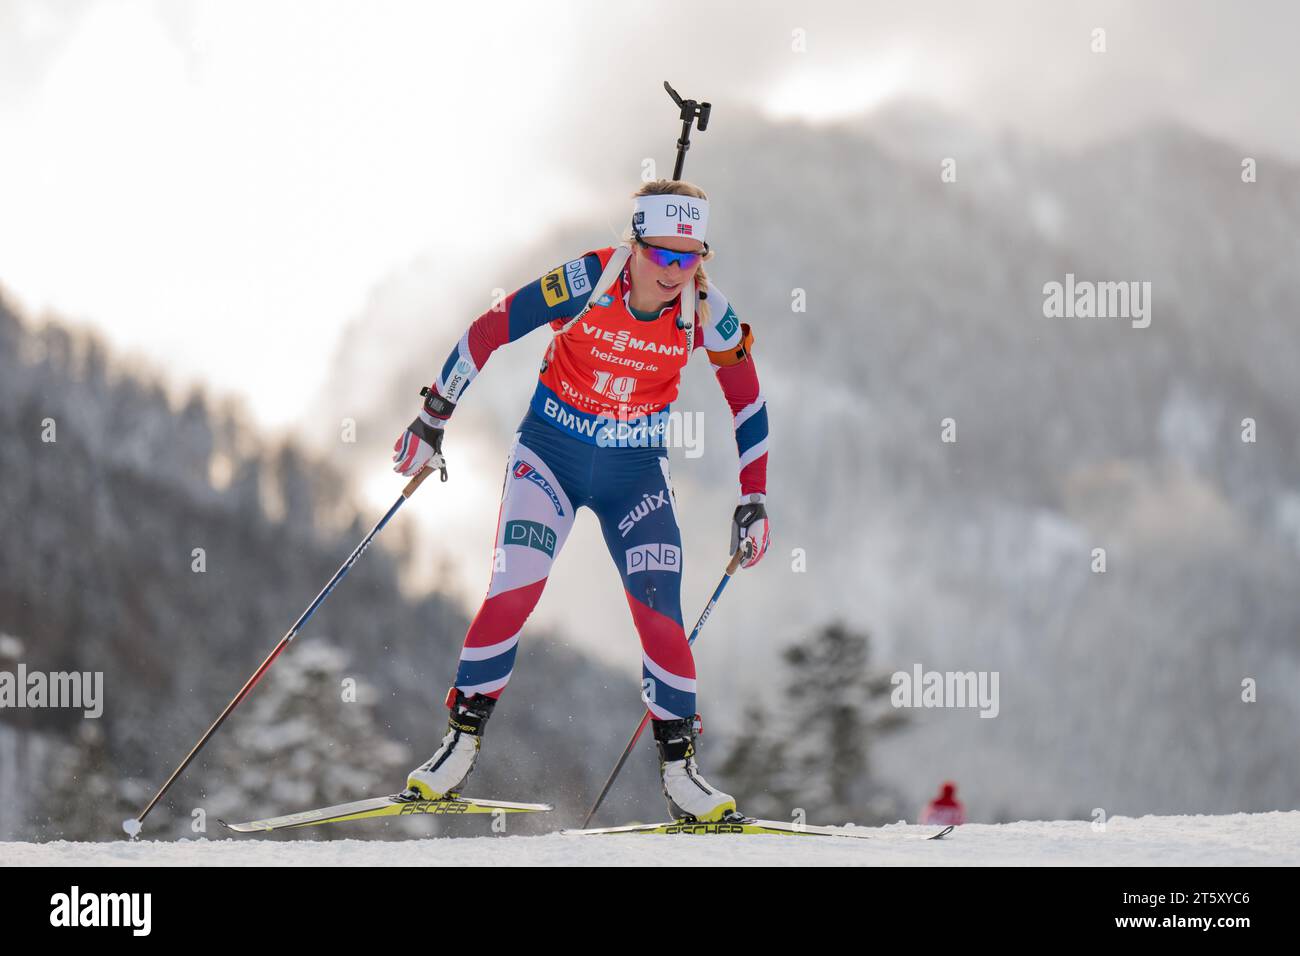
[(680, 187)]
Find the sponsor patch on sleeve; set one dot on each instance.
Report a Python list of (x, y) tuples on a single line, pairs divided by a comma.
[(728, 325), (576, 273), (554, 289)]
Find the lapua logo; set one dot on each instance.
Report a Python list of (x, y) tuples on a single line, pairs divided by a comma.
[(526, 471)]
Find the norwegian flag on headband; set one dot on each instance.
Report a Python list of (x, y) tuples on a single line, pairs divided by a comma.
[(683, 229)]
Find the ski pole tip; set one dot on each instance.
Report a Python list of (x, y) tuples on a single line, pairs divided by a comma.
[(132, 826)]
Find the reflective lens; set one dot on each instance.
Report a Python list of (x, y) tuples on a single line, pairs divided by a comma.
[(665, 257)]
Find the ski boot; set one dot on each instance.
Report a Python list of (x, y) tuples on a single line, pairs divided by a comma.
[(443, 774), (689, 795)]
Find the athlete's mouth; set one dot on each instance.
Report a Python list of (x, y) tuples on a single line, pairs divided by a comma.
[(666, 287)]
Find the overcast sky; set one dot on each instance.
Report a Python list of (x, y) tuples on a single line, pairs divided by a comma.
[(219, 185)]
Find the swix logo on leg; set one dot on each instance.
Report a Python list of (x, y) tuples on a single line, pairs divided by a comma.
[(647, 504), (524, 470), (654, 557)]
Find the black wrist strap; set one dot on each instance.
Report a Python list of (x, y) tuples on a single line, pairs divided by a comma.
[(436, 405)]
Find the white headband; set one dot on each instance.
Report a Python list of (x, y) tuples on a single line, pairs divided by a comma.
[(671, 216)]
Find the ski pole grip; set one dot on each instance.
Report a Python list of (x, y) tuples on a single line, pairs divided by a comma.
[(741, 554), (415, 482)]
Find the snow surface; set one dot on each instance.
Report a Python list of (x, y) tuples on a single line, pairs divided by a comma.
[(1230, 840)]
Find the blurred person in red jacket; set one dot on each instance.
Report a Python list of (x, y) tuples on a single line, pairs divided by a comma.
[(945, 809)]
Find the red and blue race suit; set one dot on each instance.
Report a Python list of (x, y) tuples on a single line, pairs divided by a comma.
[(593, 437)]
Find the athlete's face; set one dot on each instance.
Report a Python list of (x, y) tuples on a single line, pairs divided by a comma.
[(652, 282)]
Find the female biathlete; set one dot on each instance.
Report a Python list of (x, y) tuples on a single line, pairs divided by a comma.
[(626, 320)]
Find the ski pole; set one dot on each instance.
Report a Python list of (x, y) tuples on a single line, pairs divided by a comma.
[(732, 565), (132, 826)]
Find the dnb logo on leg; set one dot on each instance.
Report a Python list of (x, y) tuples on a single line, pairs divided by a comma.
[(531, 534), (654, 557), (523, 469)]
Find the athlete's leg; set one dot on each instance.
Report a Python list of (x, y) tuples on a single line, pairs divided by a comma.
[(638, 517), (534, 521)]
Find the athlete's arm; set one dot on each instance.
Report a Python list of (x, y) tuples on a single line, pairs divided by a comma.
[(556, 296), (729, 342)]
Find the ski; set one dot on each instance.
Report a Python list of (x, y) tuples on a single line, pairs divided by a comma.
[(390, 806), (749, 825)]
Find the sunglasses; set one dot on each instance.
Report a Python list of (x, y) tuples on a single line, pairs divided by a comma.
[(665, 257)]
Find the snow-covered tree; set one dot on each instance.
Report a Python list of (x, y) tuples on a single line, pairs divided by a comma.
[(813, 753), (309, 737)]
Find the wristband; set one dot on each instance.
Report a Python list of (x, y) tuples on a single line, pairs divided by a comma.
[(436, 405)]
